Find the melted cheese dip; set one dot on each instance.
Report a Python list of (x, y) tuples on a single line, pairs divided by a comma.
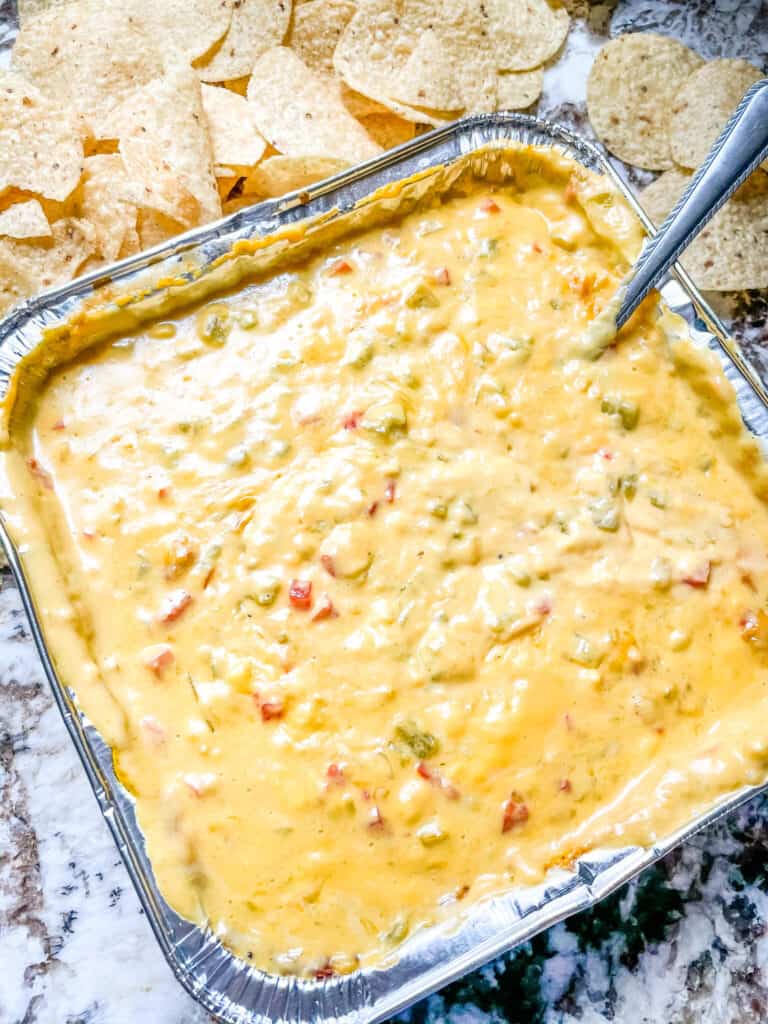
[(389, 601)]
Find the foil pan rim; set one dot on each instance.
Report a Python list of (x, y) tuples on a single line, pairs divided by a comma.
[(223, 984)]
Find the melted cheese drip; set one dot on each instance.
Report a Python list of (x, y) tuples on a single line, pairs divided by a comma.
[(534, 624)]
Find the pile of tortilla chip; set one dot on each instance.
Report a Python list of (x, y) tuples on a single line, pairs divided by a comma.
[(123, 123), (658, 105)]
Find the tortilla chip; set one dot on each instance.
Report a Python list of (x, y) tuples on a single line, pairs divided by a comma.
[(631, 90), (131, 245), (731, 253), (281, 174), (301, 113), (443, 55), (317, 27), (40, 150), (256, 26), (25, 220), (704, 104), (27, 268), (359, 105), (29, 8), (187, 29), (388, 130), (111, 217), (518, 90), (166, 150), (89, 56), (234, 136), (153, 228)]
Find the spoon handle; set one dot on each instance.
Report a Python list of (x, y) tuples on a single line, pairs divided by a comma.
[(742, 145)]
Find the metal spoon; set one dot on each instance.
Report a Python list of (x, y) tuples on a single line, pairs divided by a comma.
[(741, 146)]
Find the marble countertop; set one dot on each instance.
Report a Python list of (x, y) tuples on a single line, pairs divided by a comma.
[(687, 943)]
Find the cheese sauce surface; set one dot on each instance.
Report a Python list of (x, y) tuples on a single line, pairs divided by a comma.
[(391, 601)]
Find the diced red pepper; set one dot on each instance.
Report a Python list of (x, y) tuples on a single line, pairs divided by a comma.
[(515, 812), (748, 623), (41, 474), (489, 205), (159, 658), (543, 606), (565, 786), (59, 425), (153, 729), (175, 605), (271, 709), (536, 247), (335, 774), (326, 971), (300, 594), (699, 577), (435, 778), (375, 818), (389, 491), (352, 419), (199, 782), (607, 454), (372, 508), (89, 534), (164, 491), (754, 628), (327, 563), (341, 266), (442, 275), (325, 609)]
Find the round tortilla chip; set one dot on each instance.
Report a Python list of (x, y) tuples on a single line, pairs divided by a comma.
[(731, 253), (256, 26), (166, 149), (632, 86), (317, 27), (518, 90), (188, 29), (232, 127), (301, 112), (704, 105), (444, 55), (40, 148), (24, 220), (281, 174), (88, 56)]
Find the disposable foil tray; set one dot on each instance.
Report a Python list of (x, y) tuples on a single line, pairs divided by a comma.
[(224, 984)]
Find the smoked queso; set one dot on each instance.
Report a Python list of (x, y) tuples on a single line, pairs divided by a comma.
[(385, 599)]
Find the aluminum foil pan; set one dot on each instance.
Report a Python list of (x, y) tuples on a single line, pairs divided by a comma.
[(224, 984)]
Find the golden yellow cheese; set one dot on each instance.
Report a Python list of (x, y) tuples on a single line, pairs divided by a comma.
[(386, 598)]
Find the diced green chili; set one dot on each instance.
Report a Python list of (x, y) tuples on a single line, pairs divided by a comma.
[(605, 514), (421, 297), (422, 744)]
